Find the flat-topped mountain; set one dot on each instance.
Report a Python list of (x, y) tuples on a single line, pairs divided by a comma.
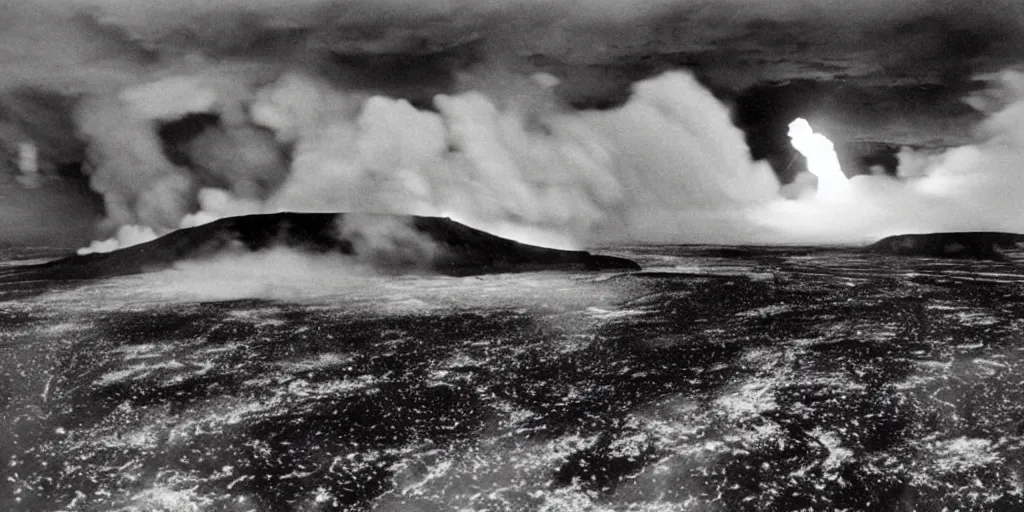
[(390, 243), (980, 245)]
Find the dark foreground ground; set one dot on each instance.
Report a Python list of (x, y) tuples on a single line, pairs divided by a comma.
[(714, 380)]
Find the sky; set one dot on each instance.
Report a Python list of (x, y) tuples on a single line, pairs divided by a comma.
[(464, 109)]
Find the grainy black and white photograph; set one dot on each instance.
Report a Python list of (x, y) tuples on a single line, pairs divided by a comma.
[(511, 255)]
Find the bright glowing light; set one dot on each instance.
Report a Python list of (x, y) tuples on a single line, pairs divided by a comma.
[(28, 164), (28, 158), (822, 160)]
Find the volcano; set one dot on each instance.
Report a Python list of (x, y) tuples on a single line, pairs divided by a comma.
[(389, 243)]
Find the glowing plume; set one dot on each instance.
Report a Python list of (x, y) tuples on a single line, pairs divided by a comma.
[(822, 160)]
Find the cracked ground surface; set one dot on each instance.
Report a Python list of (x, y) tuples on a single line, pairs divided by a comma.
[(716, 379)]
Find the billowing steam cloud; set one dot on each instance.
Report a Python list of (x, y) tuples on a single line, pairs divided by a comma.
[(511, 164), (667, 165), (970, 188), (187, 111)]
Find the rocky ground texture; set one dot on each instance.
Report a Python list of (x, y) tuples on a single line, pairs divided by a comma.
[(715, 379)]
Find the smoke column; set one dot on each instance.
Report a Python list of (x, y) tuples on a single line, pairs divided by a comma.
[(971, 188), (822, 161)]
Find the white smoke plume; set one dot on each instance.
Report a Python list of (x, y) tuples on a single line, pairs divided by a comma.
[(665, 166), (971, 188), (386, 243), (299, 131), (126, 236), (512, 164)]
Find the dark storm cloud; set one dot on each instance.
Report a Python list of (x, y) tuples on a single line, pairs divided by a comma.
[(102, 36)]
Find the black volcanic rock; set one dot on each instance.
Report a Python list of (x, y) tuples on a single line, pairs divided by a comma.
[(979, 245), (392, 243)]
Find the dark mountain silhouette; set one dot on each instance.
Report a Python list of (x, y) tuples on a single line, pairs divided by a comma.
[(392, 243), (979, 245)]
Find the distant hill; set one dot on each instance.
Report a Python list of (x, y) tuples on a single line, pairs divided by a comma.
[(391, 243), (979, 245)]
